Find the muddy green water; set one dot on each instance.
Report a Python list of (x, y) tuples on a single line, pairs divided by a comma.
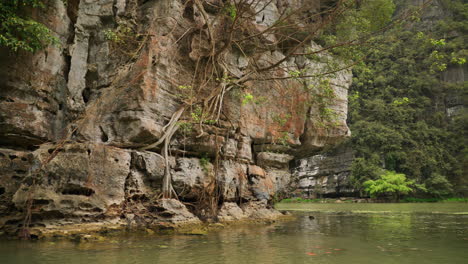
[(322, 233)]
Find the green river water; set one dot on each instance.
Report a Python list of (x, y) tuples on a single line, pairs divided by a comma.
[(321, 233)]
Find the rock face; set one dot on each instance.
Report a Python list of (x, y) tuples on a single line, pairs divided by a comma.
[(108, 98), (324, 175)]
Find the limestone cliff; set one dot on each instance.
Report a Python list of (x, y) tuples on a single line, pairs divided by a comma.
[(74, 117), (324, 175)]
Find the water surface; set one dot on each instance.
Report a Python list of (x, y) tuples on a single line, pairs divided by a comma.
[(314, 237), (432, 208)]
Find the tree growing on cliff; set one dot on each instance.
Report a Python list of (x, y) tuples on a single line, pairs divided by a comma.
[(19, 31)]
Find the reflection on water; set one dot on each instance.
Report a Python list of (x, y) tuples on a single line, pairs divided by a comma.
[(312, 238)]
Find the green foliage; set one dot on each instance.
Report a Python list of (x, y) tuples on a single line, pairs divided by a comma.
[(204, 162), (322, 97), (363, 170), (185, 127), (198, 116), (388, 184), (296, 73), (281, 119), (125, 41), (438, 185), (284, 138), (231, 11), (398, 108), (363, 18), (18, 31), (247, 98), (402, 101), (456, 199), (121, 34), (185, 92)]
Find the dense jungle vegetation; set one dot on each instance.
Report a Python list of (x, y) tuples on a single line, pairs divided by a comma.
[(399, 105)]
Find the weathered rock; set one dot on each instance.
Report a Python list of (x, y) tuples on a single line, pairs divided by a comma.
[(245, 151), (281, 180), (256, 171), (262, 188), (82, 180), (259, 210), (318, 132), (274, 160), (172, 210), (14, 167), (191, 176), (149, 162), (230, 148), (234, 181), (247, 211), (231, 212), (206, 146), (262, 184), (33, 87), (324, 175)]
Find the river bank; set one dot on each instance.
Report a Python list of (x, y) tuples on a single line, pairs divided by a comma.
[(107, 229)]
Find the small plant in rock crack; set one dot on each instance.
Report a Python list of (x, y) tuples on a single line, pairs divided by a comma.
[(295, 74), (247, 98), (281, 119), (225, 79), (119, 35), (185, 127), (204, 163), (284, 138), (186, 92), (198, 116), (125, 39), (231, 11)]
